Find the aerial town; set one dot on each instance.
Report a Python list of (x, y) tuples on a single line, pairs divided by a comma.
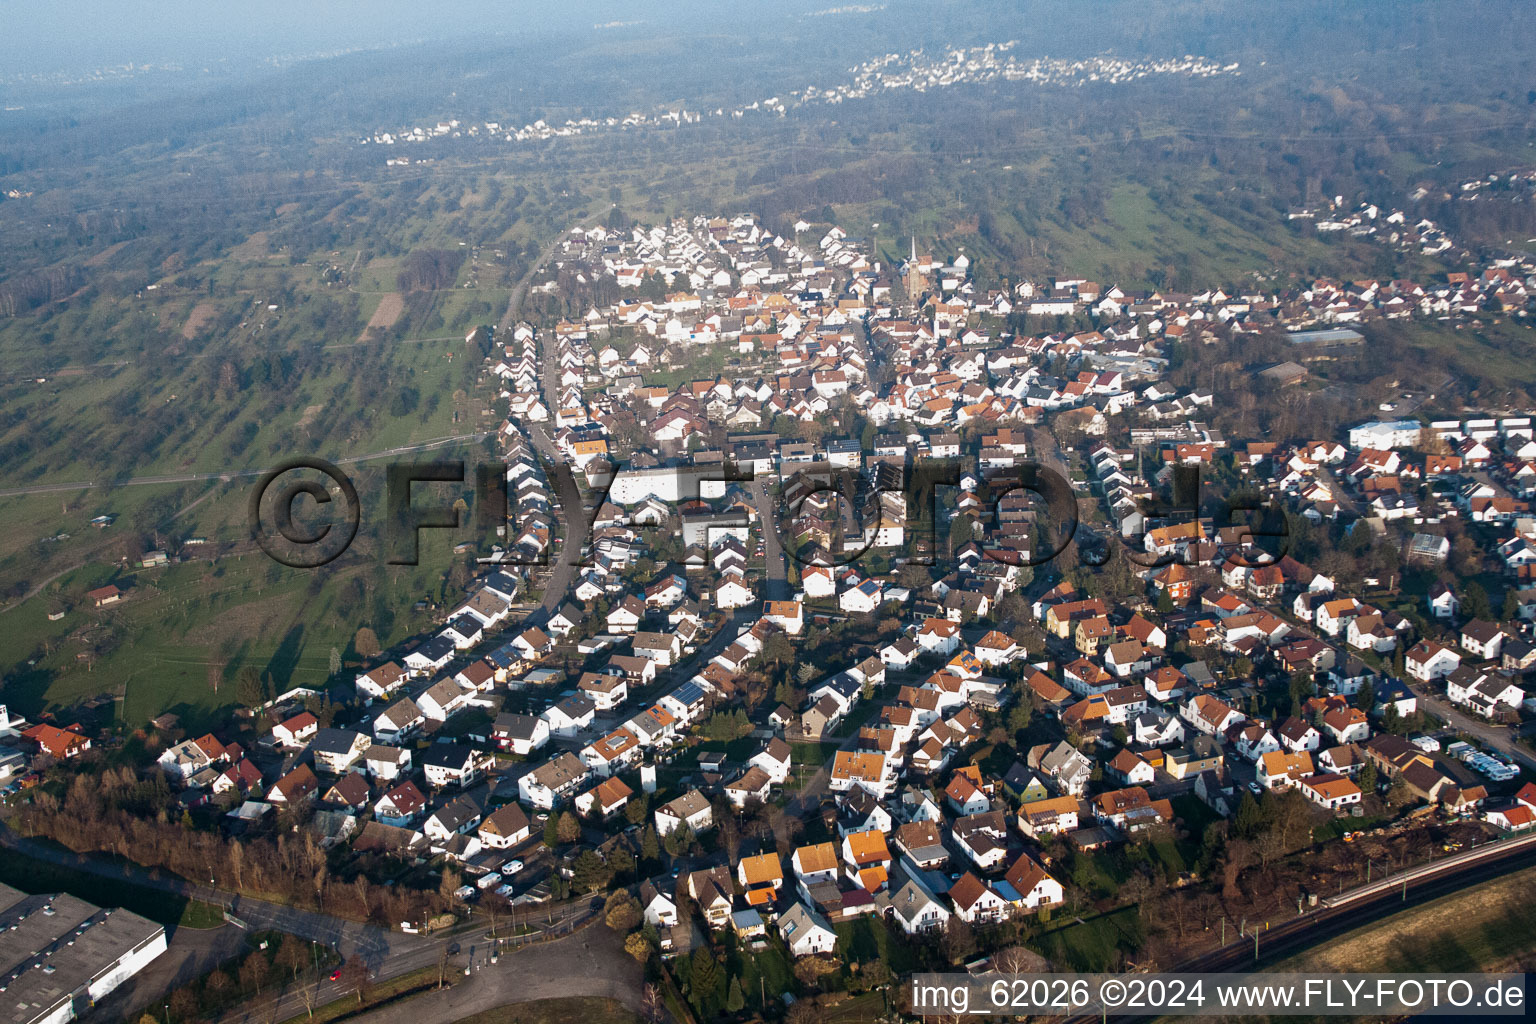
[(755, 686), (917, 71)]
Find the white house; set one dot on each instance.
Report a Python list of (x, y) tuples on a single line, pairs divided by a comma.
[(690, 809), (806, 932), (1427, 661)]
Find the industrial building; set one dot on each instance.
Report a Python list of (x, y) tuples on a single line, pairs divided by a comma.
[(60, 956)]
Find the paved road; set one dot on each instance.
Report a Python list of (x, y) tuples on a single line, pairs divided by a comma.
[(573, 549), (776, 585), (1499, 737)]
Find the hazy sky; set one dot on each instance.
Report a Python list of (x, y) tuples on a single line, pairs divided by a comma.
[(48, 35)]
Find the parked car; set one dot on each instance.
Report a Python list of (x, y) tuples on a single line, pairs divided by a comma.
[(464, 892), (511, 868), (488, 880), (505, 891)]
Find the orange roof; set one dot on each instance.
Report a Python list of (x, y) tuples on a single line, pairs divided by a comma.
[(858, 764), (762, 869), (1278, 762), (55, 741), (1331, 787), (867, 848), (818, 857), (1050, 805)]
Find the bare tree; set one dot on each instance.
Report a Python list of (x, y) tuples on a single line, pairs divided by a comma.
[(1014, 960), (354, 977), (309, 990), (652, 1007)]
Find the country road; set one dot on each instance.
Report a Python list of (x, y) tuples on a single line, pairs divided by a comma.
[(238, 474)]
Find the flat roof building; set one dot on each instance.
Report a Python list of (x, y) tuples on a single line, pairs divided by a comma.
[(60, 956)]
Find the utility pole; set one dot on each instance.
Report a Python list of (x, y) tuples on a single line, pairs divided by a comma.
[(1255, 945)]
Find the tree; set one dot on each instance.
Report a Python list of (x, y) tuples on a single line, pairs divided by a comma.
[(183, 1004), (1368, 777), (735, 1001), (635, 945), (552, 831), (653, 1007), (778, 650), (354, 977), (803, 1011), (650, 846), (1398, 794), (589, 873), (253, 972), (809, 969), (1510, 610), (1475, 603), (622, 912), (365, 643), (704, 980), (637, 809), (292, 955), (335, 662), (959, 941), (569, 829), (1249, 817), (248, 687)]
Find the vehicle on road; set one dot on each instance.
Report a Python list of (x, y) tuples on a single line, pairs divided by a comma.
[(336, 974)]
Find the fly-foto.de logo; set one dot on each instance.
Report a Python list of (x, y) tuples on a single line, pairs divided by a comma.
[(306, 512)]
